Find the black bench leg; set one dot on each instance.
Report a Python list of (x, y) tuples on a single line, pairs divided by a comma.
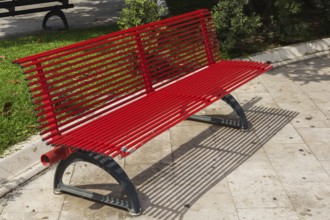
[(110, 166), (232, 102), (55, 12)]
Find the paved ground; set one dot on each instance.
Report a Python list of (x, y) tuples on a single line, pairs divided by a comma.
[(278, 170)]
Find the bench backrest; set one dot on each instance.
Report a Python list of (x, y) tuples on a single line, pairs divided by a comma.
[(76, 83)]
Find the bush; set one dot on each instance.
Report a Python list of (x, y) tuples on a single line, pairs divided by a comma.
[(234, 23), (138, 12), (281, 18)]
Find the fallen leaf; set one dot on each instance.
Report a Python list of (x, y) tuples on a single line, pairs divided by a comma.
[(31, 126), (14, 81)]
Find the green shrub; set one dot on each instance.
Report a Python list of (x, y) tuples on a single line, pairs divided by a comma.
[(138, 12), (234, 23)]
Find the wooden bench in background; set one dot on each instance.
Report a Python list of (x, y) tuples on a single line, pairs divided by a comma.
[(19, 7), (107, 96)]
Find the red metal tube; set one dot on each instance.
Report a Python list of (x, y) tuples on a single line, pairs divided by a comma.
[(55, 155)]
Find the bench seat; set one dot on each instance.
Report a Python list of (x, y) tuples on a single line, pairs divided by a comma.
[(122, 131)]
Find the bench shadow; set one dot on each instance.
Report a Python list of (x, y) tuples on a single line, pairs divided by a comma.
[(167, 190)]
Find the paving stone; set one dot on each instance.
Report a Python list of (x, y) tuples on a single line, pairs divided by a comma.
[(295, 153), (320, 150), (254, 86), (155, 150), (310, 115), (88, 213), (315, 135), (255, 185), (326, 166), (325, 108), (34, 200), (46, 179), (310, 200), (319, 97), (194, 134), (211, 206), (267, 214), (30, 215), (287, 135), (296, 173)]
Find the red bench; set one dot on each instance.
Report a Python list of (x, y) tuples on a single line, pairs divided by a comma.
[(107, 96)]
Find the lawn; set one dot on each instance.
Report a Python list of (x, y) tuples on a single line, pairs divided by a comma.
[(17, 120)]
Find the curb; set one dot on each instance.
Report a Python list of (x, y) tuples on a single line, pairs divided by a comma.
[(20, 166), (20, 163), (294, 53)]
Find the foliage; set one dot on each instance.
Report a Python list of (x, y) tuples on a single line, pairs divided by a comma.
[(323, 8), (233, 23), (17, 118), (138, 12), (280, 18)]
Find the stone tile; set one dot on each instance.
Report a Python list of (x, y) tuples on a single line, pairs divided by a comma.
[(326, 166), (325, 108), (93, 212), (33, 200), (212, 206), (315, 135), (30, 215), (318, 97), (287, 135), (158, 149), (320, 150), (275, 75), (296, 173), (46, 179), (295, 153), (194, 134), (267, 214), (259, 156), (310, 114), (248, 100), (310, 200), (254, 86), (281, 87), (255, 185), (291, 97)]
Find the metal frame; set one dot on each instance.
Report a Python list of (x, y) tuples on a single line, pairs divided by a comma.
[(232, 102), (106, 163)]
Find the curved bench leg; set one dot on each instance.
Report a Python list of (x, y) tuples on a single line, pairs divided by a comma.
[(55, 12), (110, 166), (232, 102)]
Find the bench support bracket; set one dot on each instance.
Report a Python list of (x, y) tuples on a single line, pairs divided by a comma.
[(106, 163), (55, 12), (232, 102)]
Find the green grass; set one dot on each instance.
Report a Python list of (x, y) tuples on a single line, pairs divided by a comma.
[(17, 119)]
